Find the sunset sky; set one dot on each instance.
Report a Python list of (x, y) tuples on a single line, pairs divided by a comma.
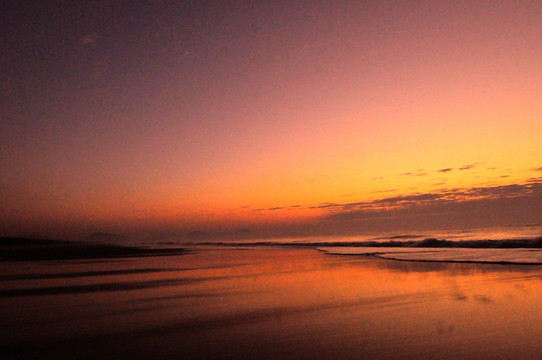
[(272, 116)]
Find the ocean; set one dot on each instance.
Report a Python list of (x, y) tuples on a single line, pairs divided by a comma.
[(254, 301)]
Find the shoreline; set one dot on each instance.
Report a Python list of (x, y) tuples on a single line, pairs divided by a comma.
[(22, 249)]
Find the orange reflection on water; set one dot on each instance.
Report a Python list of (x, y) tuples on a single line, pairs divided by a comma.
[(286, 303), (328, 305)]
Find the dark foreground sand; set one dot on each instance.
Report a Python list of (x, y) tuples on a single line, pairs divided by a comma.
[(267, 303)]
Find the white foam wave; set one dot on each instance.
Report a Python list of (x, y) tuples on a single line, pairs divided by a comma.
[(504, 256)]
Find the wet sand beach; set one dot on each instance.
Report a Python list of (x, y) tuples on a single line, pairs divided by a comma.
[(267, 303)]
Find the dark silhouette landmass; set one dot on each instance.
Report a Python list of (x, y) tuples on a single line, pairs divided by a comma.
[(104, 237), (23, 249)]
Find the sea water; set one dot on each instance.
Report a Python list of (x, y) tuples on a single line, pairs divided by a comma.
[(268, 303)]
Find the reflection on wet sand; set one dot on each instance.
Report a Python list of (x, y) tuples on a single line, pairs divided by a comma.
[(33, 276), (271, 303)]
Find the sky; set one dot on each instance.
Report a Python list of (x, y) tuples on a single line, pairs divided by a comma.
[(269, 117)]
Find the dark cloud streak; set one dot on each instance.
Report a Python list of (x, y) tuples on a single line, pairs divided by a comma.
[(504, 204)]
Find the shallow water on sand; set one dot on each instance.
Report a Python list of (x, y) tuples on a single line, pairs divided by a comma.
[(269, 303)]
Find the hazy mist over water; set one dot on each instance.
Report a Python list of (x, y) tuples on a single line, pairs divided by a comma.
[(465, 234)]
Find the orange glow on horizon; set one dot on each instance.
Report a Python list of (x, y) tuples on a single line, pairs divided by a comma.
[(283, 108)]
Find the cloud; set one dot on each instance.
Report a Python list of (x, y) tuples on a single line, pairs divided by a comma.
[(445, 170), (537, 169), (383, 191), (418, 173), (445, 200), (407, 198), (276, 208), (466, 167), (451, 195), (323, 206), (486, 205), (490, 205)]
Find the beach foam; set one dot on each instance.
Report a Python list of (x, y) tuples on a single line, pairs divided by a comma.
[(500, 256)]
